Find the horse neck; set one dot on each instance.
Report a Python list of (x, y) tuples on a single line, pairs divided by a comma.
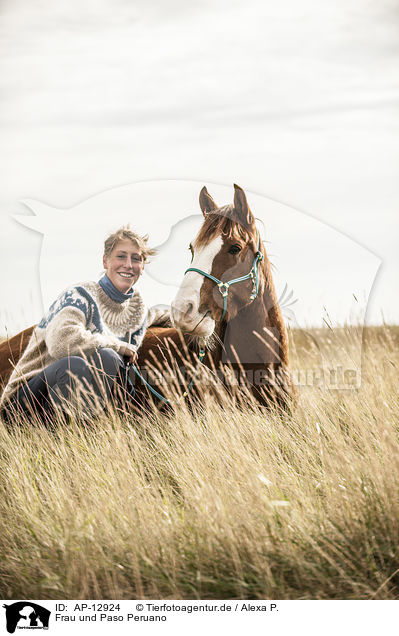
[(263, 317)]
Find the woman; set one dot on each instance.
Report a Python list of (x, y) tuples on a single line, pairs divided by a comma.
[(75, 357)]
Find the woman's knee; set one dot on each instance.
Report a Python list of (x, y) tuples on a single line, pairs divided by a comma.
[(67, 371), (95, 374), (74, 365), (110, 361)]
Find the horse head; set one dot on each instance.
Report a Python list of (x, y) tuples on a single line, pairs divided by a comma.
[(225, 274), (228, 290)]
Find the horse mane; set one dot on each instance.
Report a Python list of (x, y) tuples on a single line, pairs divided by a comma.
[(222, 221)]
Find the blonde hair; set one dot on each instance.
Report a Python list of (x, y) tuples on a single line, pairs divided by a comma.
[(123, 233)]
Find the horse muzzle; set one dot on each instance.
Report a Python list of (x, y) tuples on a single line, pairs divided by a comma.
[(187, 318)]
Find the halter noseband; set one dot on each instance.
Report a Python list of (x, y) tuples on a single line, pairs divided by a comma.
[(253, 274)]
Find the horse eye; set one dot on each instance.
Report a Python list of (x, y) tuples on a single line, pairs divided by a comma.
[(235, 249)]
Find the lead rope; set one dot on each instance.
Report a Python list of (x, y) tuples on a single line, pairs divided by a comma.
[(132, 366)]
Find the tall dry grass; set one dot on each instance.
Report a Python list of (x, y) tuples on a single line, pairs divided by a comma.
[(220, 503)]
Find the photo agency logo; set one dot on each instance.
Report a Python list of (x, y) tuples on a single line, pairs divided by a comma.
[(26, 615), (323, 279)]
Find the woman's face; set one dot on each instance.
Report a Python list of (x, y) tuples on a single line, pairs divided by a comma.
[(124, 265)]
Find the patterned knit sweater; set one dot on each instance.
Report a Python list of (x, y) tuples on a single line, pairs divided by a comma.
[(82, 319)]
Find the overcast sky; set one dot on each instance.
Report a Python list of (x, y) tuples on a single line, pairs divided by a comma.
[(295, 101)]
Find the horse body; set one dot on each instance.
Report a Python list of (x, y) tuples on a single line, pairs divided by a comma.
[(10, 352)]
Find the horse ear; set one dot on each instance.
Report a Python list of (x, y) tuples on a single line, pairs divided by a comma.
[(207, 204), (242, 208)]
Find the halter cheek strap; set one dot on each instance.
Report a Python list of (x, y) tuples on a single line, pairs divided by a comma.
[(253, 274)]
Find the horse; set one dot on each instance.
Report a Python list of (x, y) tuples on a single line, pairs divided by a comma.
[(238, 321), (227, 295)]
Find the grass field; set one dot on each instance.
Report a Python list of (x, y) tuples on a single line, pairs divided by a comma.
[(220, 504)]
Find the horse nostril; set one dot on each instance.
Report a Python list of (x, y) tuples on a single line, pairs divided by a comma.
[(189, 310)]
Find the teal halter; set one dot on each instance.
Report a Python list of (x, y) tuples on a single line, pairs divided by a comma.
[(253, 274)]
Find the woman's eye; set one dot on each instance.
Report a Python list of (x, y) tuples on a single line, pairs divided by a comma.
[(235, 249)]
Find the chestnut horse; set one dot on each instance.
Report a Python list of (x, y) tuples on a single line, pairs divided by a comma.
[(239, 320), (228, 293)]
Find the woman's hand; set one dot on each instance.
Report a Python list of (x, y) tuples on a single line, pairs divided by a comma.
[(129, 353)]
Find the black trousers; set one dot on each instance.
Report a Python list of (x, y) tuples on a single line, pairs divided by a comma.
[(75, 385)]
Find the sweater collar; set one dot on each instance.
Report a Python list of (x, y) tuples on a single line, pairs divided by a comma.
[(112, 292)]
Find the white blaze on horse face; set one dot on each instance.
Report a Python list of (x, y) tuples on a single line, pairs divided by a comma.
[(185, 307)]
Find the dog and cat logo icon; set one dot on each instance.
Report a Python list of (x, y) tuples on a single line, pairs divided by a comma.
[(26, 615)]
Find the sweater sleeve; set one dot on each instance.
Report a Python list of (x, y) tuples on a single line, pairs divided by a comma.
[(67, 335)]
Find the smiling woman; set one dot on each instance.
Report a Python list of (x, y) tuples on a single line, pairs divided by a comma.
[(76, 353), (125, 253), (124, 265)]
